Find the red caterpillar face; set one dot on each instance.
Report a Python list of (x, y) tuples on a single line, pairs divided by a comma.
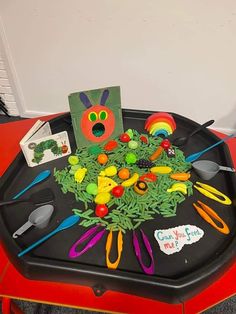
[(97, 123)]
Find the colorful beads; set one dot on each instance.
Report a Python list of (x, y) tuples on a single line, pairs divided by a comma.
[(130, 158), (94, 150), (133, 144), (73, 160), (140, 187), (124, 173), (102, 159), (102, 198), (111, 145), (124, 138), (118, 191), (92, 189)]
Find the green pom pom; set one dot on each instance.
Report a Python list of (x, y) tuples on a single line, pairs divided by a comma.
[(92, 189), (94, 150), (73, 160), (130, 158)]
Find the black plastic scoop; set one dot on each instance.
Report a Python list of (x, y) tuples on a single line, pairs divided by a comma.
[(181, 141), (38, 198)]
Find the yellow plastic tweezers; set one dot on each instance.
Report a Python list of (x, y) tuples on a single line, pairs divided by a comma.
[(207, 212), (211, 192), (115, 264)]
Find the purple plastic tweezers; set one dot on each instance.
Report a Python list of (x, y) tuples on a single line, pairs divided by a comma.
[(73, 253), (148, 270)]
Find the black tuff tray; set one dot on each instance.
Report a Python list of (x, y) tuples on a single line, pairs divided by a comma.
[(177, 277)]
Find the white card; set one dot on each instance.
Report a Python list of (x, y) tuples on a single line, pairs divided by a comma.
[(42, 150), (172, 240)]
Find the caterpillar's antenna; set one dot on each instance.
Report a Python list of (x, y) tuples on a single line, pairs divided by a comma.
[(104, 97), (84, 98)]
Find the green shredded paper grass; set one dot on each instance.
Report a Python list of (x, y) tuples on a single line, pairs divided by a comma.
[(131, 210)]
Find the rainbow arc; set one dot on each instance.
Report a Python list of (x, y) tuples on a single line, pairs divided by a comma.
[(160, 123)]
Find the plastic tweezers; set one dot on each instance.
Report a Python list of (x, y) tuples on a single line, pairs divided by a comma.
[(148, 270), (211, 192), (115, 264), (207, 213), (73, 253)]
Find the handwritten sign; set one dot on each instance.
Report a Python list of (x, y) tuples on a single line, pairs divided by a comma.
[(172, 240)]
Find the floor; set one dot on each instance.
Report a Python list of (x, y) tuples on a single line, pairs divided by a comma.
[(39, 308), (226, 307)]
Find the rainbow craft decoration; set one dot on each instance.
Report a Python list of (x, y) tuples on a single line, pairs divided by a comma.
[(160, 123)]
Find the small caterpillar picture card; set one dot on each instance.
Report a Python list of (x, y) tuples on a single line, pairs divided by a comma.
[(39, 145)]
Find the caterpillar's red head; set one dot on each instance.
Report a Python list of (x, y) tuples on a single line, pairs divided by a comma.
[(98, 121)]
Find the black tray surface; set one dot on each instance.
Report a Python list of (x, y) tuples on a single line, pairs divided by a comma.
[(177, 277)]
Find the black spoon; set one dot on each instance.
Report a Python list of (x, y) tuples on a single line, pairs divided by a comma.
[(181, 141), (38, 198)]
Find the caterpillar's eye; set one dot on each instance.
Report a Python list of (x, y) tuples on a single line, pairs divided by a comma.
[(103, 115), (92, 116)]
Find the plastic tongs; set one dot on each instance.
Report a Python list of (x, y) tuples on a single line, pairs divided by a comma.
[(211, 192), (115, 264), (73, 253), (148, 270), (207, 212)]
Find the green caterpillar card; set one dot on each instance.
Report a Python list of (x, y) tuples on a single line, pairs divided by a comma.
[(96, 115), (39, 145)]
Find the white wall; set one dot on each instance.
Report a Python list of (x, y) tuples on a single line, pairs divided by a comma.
[(170, 55)]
